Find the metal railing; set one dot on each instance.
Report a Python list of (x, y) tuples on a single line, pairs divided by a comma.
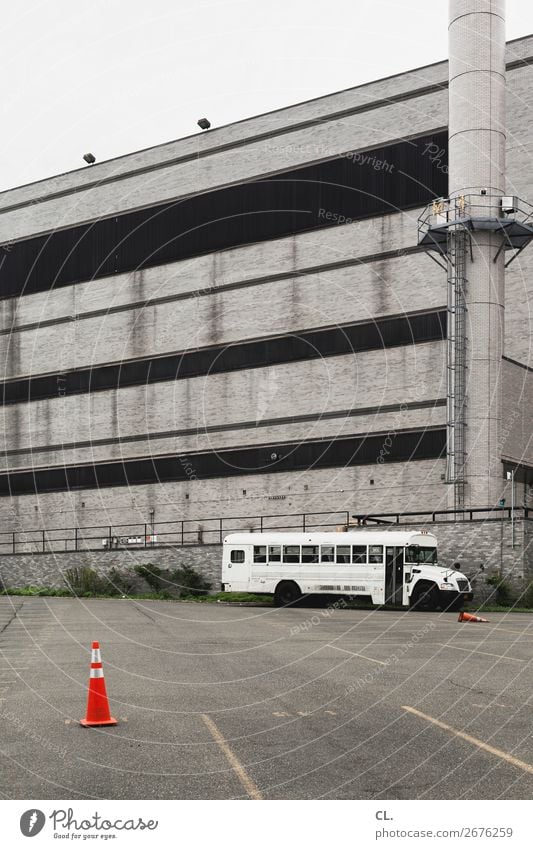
[(181, 532), (460, 515), (212, 530)]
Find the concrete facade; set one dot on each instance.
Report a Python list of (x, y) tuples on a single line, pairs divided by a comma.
[(356, 272)]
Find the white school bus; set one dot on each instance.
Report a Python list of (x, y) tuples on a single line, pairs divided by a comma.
[(389, 567)]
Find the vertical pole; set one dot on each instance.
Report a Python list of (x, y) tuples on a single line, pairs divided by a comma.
[(476, 145), (14, 543), (75, 539), (220, 531), (501, 542), (303, 525), (44, 541), (182, 534), (512, 507), (145, 532)]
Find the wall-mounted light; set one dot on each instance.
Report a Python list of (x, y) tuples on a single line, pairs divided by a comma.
[(204, 123), (90, 158)]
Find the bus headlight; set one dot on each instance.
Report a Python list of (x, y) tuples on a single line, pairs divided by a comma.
[(446, 587)]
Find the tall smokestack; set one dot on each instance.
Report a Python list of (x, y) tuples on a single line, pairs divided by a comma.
[(471, 229), (476, 184), (477, 98)]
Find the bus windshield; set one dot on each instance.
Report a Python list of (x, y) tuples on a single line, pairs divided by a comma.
[(420, 554)]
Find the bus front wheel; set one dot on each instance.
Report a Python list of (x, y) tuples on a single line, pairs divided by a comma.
[(425, 597), (287, 592)]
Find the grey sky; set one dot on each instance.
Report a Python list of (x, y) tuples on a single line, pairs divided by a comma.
[(112, 77)]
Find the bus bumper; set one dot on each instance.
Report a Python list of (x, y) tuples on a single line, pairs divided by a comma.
[(454, 599)]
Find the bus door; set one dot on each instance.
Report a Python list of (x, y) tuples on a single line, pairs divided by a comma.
[(393, 575), (237, 565)]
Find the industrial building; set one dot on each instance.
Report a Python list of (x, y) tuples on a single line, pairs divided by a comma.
[(251, 322)]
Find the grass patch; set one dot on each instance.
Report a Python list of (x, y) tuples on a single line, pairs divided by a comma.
[(36, 591), (154, 596), (237, 598)]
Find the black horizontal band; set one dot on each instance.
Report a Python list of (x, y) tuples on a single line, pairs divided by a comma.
[(250, 424), (308, 345), (347, 188), (394, 446)]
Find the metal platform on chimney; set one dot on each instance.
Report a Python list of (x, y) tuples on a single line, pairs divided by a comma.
[(515, 222)]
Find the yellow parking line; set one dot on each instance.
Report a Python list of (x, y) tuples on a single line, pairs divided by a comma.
[(357, 654), (505, 756), (487, 653), (247, 782), (497, 630)]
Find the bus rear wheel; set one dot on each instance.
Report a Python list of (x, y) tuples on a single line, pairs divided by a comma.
[(286, 592)]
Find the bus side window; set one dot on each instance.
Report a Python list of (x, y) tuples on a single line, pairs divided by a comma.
[(274, 553), (260, 554), (327, 553), (237, 555), (375, 554), (291, 553), (310, 554), (358, 553), (343, 554)]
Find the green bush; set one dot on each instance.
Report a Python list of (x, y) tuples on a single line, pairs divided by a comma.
[(526, 599), (503, 594), (119, 583), (181, 582), (187, 581), (152, 575), (84, 581)]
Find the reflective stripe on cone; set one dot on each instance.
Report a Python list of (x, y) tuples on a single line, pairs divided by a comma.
[(98, 712)]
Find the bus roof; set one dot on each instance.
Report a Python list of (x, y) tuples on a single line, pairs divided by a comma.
[(361, 537)]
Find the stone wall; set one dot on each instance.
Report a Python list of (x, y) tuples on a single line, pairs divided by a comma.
[(468, 543), (48, 570), (488, 543)]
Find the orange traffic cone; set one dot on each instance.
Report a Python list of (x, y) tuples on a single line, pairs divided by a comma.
[(469, 617), (97, 702)]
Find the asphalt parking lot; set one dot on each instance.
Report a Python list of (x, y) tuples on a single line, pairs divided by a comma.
[(219, 702)]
